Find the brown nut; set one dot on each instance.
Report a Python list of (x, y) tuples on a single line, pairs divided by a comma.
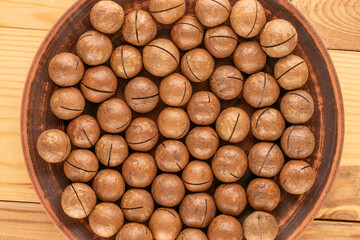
[(297, 142), (142, 134), (191, 234), (203, 108), (134, 231), (78, 200), (67, 103), (94, 48), (83, 131), (187, 33), (81, 166), (139, 28), (225, 227), (247, 18), (233, 125), (212, 13), (249, 57), (221, 41), (197, 65), (66, 69), (260, 225), (197, 210), (267, 124), (229, 163), (98, 84), (263, 194), (230, 199), (53, 145), (107, 16), (106, 219), (167, 11), (261, 90), (297, 177), (226, 82), (173, 123), (202, 142), (111, 150), (139, 170), (175, 90), (126, 61), (291, 72), (161, 57), (171, 156), (109, 185), (168, 190), (297, 107), (114, 115), (165, 224), (141, 94), (137, 205), (197, 176), (278, 38), (265, 159)]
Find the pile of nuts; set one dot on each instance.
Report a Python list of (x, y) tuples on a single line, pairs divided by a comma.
[(158, 194)]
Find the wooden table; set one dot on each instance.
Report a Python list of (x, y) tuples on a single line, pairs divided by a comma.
[(23, 25)]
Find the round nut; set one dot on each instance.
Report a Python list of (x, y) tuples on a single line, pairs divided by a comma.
[(78, 200), (107, 16), (98, 84), (171, 156), (265, 159), (134, 231), (66, 69), (142, 94), (203, 108), (297, 177), (187, 33), (165, 224), (111, 150), (229, 163), (225, 227), (173, 123), (249, 57), (202, 142), (168, 190), (139, 28), (126, 61), (297, 107), (226, 82), (297, 142), (114, 115), (137, 205), (175, 90), (263, 194), (197, 176), (83, 131), (267, 124), (197, 65), (221, 41), (230, 199), (167, 11), (53, 145), (261, 90), (233, 125), (139, 170), (278, 38), (260, 225), (291, 72), (67, 103), (106, 219), (94, 48), (142, 134), (212, 13), (191, 234), (81, 165), (109, 185)]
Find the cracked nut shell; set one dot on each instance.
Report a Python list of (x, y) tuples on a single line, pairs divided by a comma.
[(167, 11), (165, 224), (197, 176), (197, 65), (126, 61), (53, 145), (83, 131), (108, 185), (225, 227), (203, 108), (173, 123), (249, 57), (202, 142), (267, 124), (212, 13), (111, 150), (291, 72), (187, 33), (263, 194), (142, 134), (297, 107), (226, 82), (175, 90), (67, 103), (171, 156), (297, 142), (168, 190), (230, 199), (192, 234), (134, 231), (107, 16), (221, 41), (137, 205), (260, 225), (81, 165)]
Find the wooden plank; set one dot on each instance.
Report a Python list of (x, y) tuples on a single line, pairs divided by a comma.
[(336, 21), (28, 221)]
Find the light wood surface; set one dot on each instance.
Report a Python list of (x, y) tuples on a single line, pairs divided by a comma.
[(23, 25)]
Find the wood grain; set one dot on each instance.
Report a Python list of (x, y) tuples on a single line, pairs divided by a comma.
[(336, 21)]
